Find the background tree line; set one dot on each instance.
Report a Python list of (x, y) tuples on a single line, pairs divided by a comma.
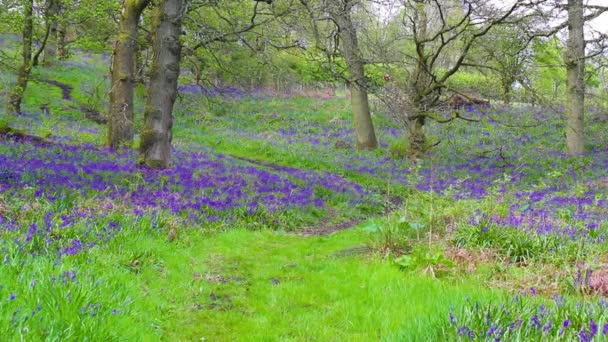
[(413, 55)]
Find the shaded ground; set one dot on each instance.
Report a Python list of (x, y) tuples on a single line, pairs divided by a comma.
[(66, 94), (66, 89), (7, 132)]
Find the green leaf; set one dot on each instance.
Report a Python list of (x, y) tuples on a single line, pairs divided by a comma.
[(405, 261), (372, 227)]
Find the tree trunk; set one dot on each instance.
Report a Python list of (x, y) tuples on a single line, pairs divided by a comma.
[(155, 149), (362, 119), (575, 66), (417, 139), (120, 117), (62, 45), (419, 81), (42, 46), (50, 50), (507, 86), (23, 74)]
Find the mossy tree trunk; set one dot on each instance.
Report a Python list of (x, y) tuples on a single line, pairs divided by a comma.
[(419, 82), (507, 89), (364, 127), (23, 74), (156, 136), (575, 66), (417, 138), (63, 52), (120, 117)]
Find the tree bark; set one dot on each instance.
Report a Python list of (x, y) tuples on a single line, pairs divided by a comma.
[(156, 136), (63, 52), (42, 46), (362, 119), (120, 117), (507, 87), (23, 74), (50, 50), (575, 67), (417, 139), (419, 81)]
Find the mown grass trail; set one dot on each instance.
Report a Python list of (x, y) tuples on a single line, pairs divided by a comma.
[(272, 286)]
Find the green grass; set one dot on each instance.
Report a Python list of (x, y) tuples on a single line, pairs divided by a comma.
[(243, 285), (233, 285)]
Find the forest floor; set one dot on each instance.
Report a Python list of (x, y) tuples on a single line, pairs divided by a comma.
[(271, 226)]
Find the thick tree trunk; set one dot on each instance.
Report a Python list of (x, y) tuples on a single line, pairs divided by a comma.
[(23, 74), (575, 66), (364, 127), (362, 119), (156, 136), (120, 117)]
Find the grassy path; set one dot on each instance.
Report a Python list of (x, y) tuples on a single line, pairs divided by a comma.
[(268, 286)]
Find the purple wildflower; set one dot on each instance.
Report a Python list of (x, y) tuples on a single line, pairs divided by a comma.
[(565, 326), (592, 329), (30, 233), (452, 319)]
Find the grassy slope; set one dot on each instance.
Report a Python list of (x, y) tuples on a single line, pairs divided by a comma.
[(239, 284), (234, 285)]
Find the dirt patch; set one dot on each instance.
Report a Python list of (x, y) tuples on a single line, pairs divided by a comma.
[(66, 94), (219, 302), (94, 115), (352, 251), (217, 278), (326, 229), (468, 260), (66, 89)]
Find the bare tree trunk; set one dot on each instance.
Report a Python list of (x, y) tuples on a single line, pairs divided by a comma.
[(575, 66), (156, 136), (120, 117), (362, 119), (23, 74)]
